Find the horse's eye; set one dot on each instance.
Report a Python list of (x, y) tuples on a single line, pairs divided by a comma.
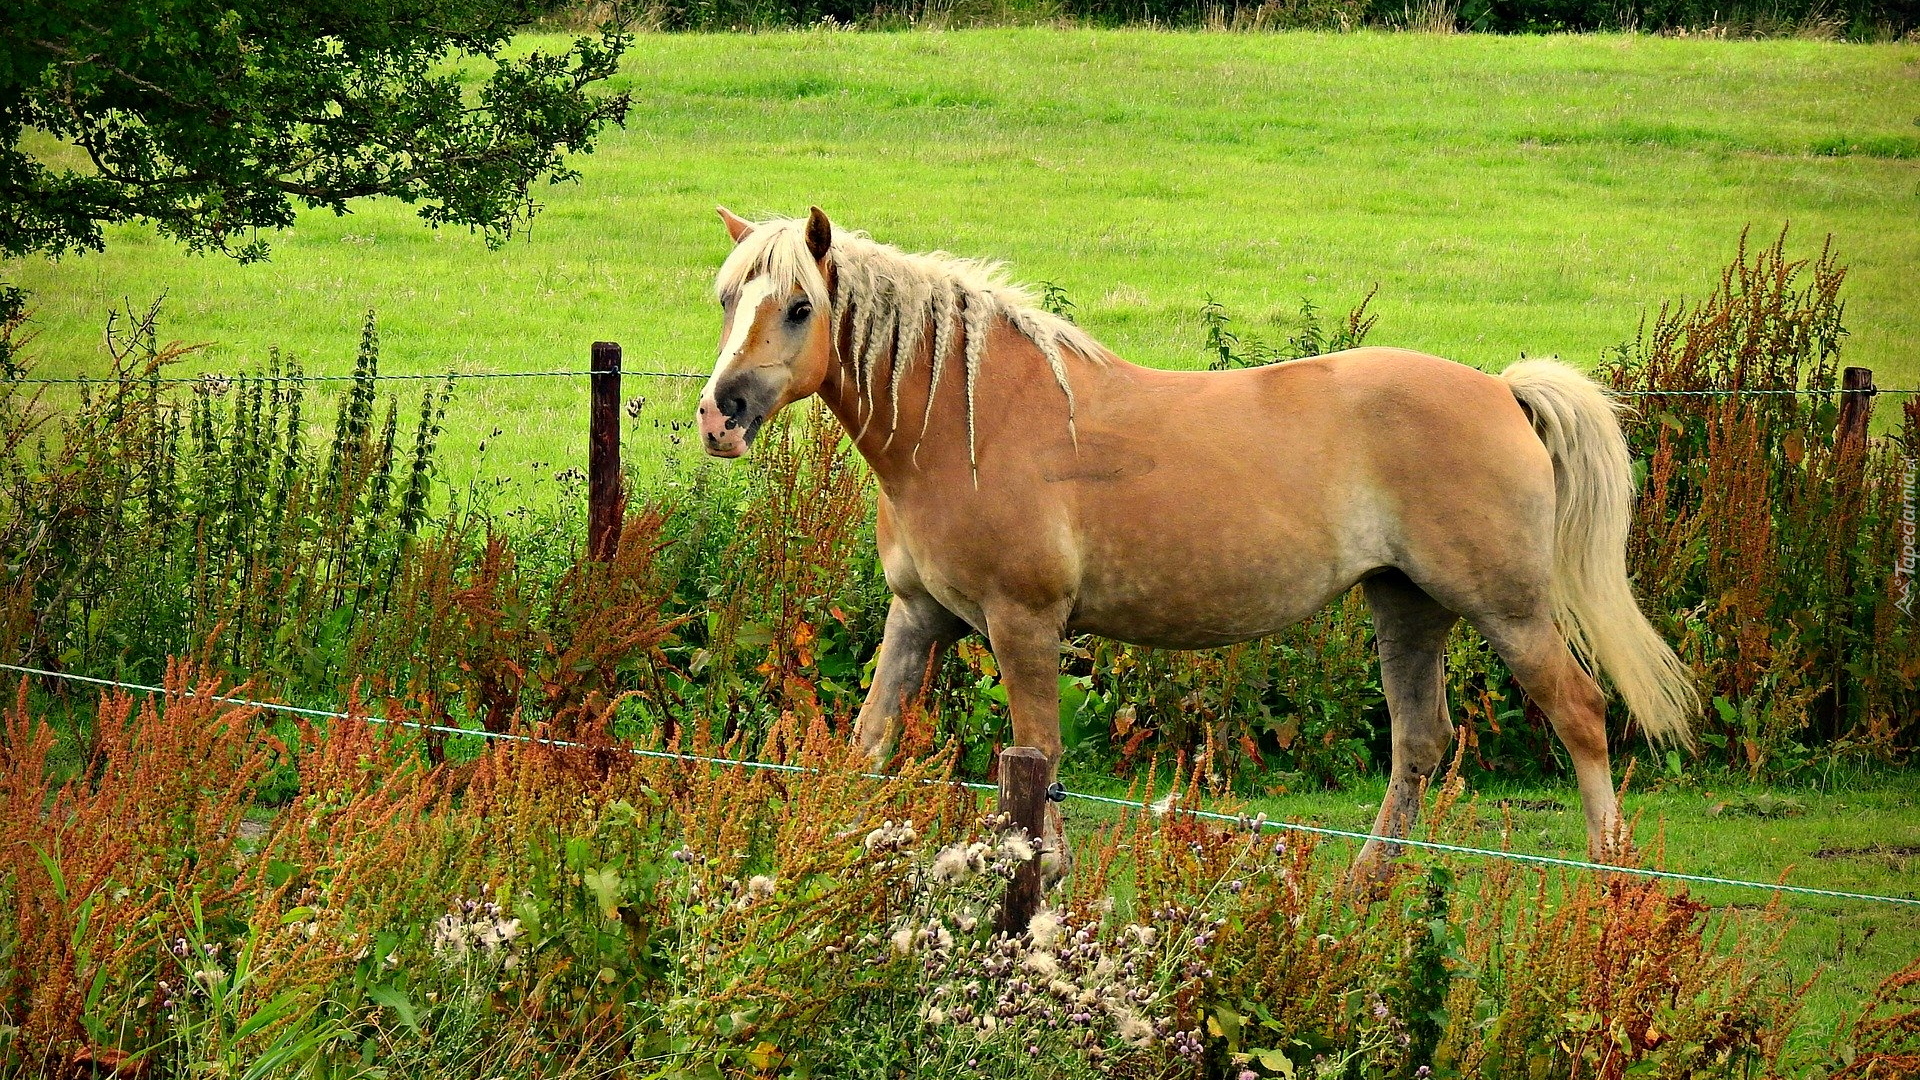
[(799, 311)]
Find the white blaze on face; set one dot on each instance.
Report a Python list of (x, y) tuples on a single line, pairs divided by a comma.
[(746, 312)]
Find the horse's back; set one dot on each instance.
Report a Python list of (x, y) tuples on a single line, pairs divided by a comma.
[(1395, 407), (1403, 456), (1401, 380), (1311, 431), (1253, 496), (1438, 434)]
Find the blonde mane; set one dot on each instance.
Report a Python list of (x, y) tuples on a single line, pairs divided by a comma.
[(886, 300)]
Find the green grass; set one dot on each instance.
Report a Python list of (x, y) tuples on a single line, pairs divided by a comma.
[(1509, 195), (1862, 836)]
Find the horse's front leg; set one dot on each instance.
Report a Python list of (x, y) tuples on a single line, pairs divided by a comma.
[(1026, 645), (918, 631)]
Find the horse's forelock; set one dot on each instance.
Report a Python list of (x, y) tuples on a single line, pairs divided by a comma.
[(777, 250)]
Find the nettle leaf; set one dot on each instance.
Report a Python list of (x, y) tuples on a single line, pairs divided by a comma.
[(605, 885)]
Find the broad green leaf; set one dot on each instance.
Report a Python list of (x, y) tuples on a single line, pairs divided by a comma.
[(605, 884), (1274, 1062), (396, 999)]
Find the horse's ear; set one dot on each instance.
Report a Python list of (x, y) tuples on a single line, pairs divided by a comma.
[(736, 227), (819, 234)]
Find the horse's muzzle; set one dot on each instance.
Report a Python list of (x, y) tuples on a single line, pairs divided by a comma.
[(731, 416)]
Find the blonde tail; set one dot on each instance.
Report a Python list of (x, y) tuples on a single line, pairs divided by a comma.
[(1592, 599)]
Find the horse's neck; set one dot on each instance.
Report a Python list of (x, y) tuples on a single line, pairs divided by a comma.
[(900, 436), (880, 426)]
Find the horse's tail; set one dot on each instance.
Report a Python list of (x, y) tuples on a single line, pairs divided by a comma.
[(1592, 598)]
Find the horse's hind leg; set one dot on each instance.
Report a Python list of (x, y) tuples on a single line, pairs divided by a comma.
[(1545, 668), (1410, 628)]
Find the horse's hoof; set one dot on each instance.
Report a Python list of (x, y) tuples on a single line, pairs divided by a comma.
[(1372, 875)]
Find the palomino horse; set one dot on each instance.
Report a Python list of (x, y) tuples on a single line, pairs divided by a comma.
[(1032, 484)]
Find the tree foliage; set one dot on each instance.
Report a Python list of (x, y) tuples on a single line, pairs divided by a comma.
[(216, 121)]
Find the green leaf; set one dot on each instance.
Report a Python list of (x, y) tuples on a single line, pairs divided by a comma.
[(1073, 693), (1274, 1062), (396, 999), (54, 876), (83, 918), (281, 1007), (1226, 1023), (605, 884)]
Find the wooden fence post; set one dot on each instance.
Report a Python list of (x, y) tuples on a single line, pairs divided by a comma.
[(605, 501), (1023, 800), (1856, 408)]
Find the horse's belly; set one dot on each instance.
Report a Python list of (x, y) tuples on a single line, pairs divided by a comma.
[(1198, 617)]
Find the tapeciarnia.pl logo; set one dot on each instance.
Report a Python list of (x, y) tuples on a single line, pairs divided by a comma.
[(1903, 563)]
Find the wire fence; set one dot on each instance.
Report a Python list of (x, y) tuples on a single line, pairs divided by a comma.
[(1258, 822), (237, 380), (216, 379)]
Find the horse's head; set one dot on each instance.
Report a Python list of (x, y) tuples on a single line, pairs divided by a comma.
[(776, 334)]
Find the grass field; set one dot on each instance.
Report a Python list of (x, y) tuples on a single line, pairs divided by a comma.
[(1508, 194)]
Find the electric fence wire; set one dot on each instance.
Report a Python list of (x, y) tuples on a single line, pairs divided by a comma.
[(444, 729), (216, 380), (235, 380), (1256, 822)]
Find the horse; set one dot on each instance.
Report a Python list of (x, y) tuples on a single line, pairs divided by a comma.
[(1032, 485)]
